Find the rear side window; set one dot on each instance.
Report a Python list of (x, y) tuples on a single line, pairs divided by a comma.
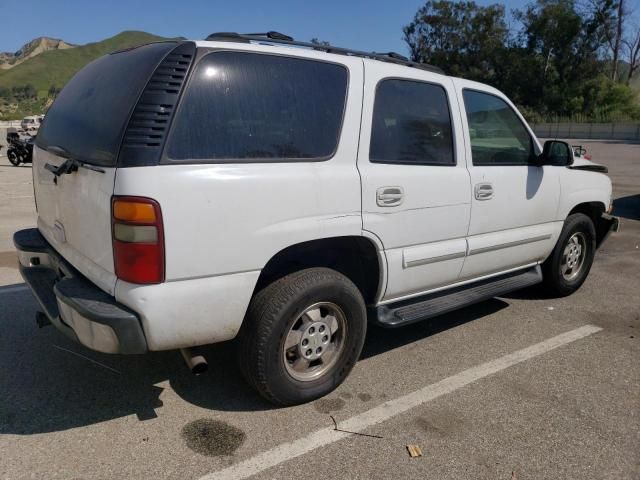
[(411, 124), (498, 137), (91, 112), (256, 107)]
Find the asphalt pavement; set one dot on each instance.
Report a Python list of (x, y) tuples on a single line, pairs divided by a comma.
[(520, 387)]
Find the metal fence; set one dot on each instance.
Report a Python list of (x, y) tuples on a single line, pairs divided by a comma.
[(595, 131), (3, 141), (9, 123)]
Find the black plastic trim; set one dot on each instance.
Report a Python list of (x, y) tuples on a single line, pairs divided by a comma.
[(421, 308), (148, 127), (99, 307), (49, 286), (604, 226), (279, 38), (590, 168)]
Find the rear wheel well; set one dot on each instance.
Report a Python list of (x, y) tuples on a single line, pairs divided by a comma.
[(354, 257)]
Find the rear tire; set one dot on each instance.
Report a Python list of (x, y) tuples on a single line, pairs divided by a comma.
[(567, 267), (302, 335)]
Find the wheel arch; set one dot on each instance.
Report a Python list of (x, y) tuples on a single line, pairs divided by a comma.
[(594, 211), (359, 258)]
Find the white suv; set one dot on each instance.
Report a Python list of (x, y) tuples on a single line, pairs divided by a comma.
[(280, 193)]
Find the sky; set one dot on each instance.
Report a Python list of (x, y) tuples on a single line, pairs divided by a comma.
[(373, 25)]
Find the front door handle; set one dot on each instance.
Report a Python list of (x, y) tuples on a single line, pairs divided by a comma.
[(389, 196), (483, 191)]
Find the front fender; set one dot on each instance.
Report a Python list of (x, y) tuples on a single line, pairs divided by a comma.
[(583, 187)]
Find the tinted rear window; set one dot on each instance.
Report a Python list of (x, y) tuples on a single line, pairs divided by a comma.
[(244, 106), (90, 114)]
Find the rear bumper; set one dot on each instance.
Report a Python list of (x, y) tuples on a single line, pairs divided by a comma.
[(606, 224), (77, 307)]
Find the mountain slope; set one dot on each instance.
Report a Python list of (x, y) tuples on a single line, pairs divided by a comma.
[(56, 67), (30, 50)]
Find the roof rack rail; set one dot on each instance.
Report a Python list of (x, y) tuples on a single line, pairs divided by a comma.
[(280, 38)]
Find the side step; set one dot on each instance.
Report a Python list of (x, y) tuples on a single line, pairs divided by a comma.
[(421, 308)]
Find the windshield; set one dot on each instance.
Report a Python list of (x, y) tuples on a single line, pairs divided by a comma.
[(90, 114)]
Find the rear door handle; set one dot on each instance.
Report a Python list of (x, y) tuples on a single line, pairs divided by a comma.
[(483, 191), (389, 196)]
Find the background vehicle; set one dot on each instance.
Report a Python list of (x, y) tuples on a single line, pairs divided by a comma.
[(580, 152), (19, 148), (31, 123), (316, 189)]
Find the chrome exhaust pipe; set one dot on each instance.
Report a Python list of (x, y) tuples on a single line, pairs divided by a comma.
[(196, 362)]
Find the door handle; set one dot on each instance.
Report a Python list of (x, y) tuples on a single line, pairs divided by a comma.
[(483, 191), (389, 196)]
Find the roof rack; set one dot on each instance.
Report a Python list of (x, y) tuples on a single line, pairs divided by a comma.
[(280, 38)]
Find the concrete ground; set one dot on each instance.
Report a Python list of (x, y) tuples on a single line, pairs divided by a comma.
[(565, 406)]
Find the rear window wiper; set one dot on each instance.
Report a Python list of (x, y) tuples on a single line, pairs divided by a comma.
[(70, 165)]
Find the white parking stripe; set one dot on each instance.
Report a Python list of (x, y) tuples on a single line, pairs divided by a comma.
[(387, 410)]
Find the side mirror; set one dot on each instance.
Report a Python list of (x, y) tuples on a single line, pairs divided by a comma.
[(556, 152)]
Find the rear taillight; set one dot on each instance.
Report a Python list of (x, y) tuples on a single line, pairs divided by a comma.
[(138, 239)]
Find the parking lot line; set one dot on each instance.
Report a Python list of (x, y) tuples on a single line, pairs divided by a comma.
[(392, 408)]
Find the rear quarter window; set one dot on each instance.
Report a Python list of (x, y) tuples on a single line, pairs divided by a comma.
[(249, 107)]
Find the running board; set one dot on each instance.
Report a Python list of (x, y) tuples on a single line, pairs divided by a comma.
[(417, 309)]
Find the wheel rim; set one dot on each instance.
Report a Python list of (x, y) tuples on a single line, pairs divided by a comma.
[(315, 341), (573, 256)]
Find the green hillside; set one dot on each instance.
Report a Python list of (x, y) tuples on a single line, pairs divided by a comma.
[(53, 69)]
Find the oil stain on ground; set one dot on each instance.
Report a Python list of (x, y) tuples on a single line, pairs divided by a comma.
[(212, 438), (440, 422), (328, 405)]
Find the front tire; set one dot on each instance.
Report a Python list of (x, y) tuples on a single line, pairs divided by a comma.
[(302, 335), (567, 267), (13, 157)]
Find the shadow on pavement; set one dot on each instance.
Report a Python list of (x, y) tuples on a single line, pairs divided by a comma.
[(381, 340), (627, 207), (44, 388), (535, 292)]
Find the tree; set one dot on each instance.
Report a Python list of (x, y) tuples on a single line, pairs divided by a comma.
[(323, 43), (463, 37), (564, 42), (632, 45), (24, 92), (53, 91), (555, 62), (617, 39)]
